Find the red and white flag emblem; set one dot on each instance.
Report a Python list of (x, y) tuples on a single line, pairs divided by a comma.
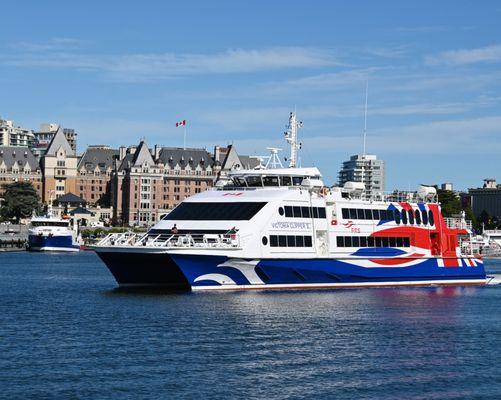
[(181, 123)]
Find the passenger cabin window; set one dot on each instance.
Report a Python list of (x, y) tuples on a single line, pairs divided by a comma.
[(425, 217), (254, 181), (431, 218), (270, 180), (290, 241), (418, 217), (304, 212), (285, 181), (411, 217), (404, 217), (235, 211), (370, 241)]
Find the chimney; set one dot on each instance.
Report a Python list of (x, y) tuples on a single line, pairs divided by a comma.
[(122, 151), (217, 153), (156, 150)]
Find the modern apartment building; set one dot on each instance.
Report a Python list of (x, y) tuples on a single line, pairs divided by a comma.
[(364, 168), (11, 135)]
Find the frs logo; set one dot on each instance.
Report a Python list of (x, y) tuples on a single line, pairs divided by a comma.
[(233, 194), (348, 224)]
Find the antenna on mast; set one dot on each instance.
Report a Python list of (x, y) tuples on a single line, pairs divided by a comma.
[(365, 114), (291, 138)]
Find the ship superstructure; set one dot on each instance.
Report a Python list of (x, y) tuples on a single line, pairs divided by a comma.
[(282, 228)]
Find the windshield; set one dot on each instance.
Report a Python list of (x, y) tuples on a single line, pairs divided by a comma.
[(49, 223)]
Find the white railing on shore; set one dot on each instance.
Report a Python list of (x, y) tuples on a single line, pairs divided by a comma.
[(167, 240)]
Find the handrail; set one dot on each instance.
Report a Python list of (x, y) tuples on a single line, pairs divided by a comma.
[(130, 239)]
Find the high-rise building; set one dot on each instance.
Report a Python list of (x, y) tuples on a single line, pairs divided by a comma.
[(364, 168), (11, 135)]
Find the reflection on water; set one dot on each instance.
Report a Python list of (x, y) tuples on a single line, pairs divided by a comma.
[(65, 331)]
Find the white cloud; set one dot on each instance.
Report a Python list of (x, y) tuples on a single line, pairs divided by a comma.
[(148, 67), (466, 56)]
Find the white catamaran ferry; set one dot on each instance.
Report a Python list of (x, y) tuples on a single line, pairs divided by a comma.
[(273, 228)]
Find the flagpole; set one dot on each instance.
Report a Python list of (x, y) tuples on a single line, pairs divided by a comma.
[(184, 141)]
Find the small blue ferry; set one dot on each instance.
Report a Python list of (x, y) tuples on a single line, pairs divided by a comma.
[(49, 233)]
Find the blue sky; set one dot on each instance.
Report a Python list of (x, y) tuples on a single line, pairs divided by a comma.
[(118, 71)]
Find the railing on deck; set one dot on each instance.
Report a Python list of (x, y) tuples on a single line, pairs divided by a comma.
[(202, 241), (458, 223)]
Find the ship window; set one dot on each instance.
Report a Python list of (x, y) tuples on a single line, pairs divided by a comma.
[(288, 211), (306, 212), (340, 241), (370, 241), (346, 213), (353, 213), (425, 217), (347, 241), (270, 180), (254, 181), (386, 241), (285, 181), (356, 241), (400, 242), (375, 214), (235, 211), (282, 240), (360, 213), (273, 241), (431, 218), (307, 241), (363, 241), (280, 210), (379, 242), (297, 180), (297, 211), (321, 213), (411, 216), (396, 214), (418, 217), (368, 213), (393, 242), (404, 217), (315, 212), (407, 242), (299, 241)]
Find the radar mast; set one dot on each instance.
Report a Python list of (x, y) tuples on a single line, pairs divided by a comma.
[(291, 138)]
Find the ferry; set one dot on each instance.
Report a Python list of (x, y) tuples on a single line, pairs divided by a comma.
[(50, 233), (282, 228)]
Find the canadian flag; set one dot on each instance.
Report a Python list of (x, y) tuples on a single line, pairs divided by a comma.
[(181, 123)]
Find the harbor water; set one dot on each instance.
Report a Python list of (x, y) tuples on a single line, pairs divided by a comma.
[(67, 332)]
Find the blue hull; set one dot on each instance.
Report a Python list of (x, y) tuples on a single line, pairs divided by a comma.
[(219, 272), (51, 243)]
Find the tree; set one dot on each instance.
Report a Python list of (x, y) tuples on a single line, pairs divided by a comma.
[(449, 201), (20, 200)]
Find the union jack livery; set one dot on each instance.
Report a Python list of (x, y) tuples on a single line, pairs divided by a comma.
[(274, 228)]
